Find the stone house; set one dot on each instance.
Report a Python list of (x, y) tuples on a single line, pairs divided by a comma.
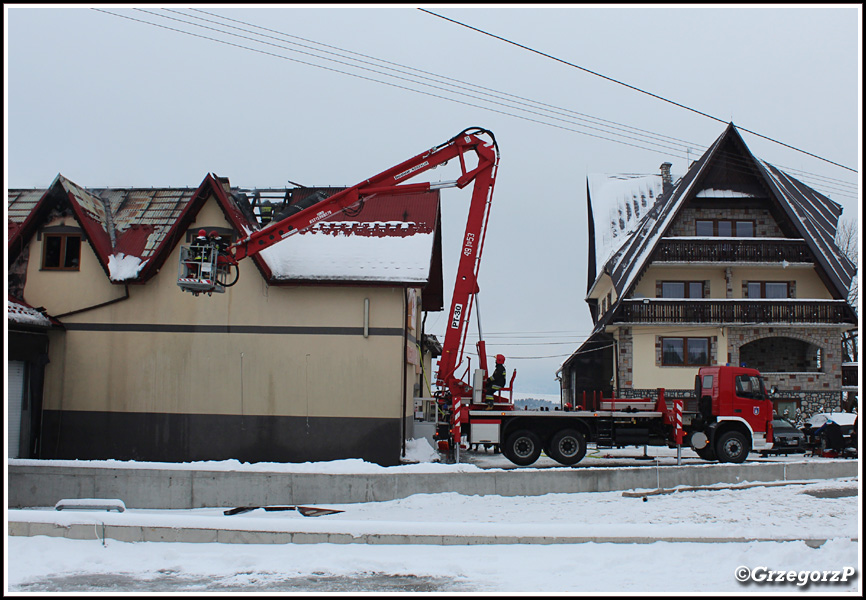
[(733, 263)]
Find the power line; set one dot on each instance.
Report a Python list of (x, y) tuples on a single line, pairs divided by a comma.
[(544, 106), (658, 140), (235, 45), (632, 87), (610, 131), (443, 77)]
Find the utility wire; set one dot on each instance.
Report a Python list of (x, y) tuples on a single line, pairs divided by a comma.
[(269, 53), (544, 106), (445, 78), (632, 87), (636, 131), (465, 93)]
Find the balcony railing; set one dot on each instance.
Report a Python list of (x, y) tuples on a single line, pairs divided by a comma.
[(732, 250), (725, 312)]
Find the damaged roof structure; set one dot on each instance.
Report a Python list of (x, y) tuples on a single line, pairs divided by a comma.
[(132, 231)]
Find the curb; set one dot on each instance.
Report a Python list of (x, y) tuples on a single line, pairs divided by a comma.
[(134, 533)]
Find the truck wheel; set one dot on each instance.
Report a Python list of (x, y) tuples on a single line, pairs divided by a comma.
[(707, 452), (522, 448), (567, 447), (732, 447)]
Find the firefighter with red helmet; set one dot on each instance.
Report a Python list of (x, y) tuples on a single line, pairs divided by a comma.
[(495, 382)]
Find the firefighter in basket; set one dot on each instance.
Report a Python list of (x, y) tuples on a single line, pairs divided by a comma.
[(198, 250), (495, 382)]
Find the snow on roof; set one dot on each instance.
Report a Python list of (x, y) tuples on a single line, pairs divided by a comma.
[(18, 312), (815, 216), (122, 267), (339, 251), (391, 240), (711, 193), (619, 203)]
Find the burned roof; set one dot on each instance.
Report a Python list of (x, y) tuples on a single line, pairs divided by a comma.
[(133, 230)]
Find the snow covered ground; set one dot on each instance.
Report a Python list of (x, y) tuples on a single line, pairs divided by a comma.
[(828, 510)]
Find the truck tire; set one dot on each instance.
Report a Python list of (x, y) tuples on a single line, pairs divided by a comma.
[(568, 447), (522, 448), (707, 452), (732, 447)]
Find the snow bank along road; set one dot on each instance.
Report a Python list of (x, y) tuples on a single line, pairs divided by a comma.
[(824, 510), (362, 521)]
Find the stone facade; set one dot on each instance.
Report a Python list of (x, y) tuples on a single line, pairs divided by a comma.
[(814, 388), (765, 225), (625, 359)]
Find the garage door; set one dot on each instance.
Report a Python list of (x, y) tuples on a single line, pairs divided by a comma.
[(16, 396)]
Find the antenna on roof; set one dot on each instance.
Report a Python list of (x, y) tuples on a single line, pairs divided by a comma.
[(295, 184)]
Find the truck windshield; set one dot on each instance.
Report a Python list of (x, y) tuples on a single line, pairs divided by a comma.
[(750, 386)]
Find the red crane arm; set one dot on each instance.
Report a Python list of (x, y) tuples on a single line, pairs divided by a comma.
[(387, 182), (196, 274)]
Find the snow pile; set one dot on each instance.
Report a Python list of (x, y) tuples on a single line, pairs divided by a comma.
[(122, 267), (420, 451)]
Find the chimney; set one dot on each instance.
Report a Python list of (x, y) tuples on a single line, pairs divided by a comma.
[(666, 176)]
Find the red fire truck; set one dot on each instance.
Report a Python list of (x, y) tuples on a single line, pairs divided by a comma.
[(730, 416)]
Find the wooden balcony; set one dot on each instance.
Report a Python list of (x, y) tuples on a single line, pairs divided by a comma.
[(734, 312), (727, 250)]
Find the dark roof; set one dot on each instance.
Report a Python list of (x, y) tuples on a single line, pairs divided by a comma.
[(813, 215)]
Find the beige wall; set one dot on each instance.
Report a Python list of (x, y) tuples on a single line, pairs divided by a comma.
[(646, 287), (292, 374), (647, 374), (809, 285), (61, 291)]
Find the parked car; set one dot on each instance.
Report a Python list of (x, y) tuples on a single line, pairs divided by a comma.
[(816, 425), (787, 439)]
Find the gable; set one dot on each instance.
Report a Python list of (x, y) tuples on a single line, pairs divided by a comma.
[(799, 210)]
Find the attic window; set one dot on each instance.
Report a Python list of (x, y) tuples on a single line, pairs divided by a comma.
[(724, 228), (61, 252)]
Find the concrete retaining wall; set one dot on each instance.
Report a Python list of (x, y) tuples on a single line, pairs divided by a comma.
[(45, 485)]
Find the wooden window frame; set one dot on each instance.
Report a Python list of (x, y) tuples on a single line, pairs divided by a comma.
[(763, 285), (733, 223), (685, 340), (63, 248), (686, 285)]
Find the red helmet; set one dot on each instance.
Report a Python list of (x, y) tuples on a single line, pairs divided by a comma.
[(500, 359), (202, 233)]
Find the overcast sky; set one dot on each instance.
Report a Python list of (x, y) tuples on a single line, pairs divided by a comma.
[(111, 101)]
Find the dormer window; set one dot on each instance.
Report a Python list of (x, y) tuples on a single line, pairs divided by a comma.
[(61, 251)]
